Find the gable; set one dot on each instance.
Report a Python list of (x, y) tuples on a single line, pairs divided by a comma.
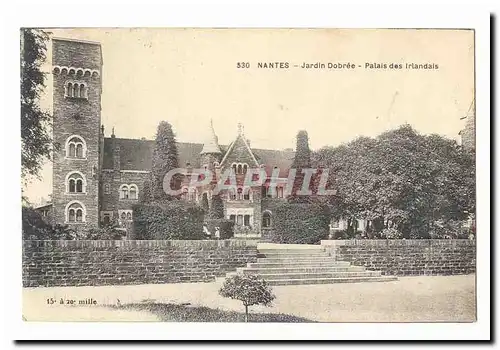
[(239, 152)]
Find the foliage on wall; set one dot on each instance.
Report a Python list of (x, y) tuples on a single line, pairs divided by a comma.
[(173, 219)]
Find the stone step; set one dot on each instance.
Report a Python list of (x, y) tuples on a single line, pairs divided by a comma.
[(292, 269), (303, 264), (314, 276), (288, 282), (286, 255), (298, 260)]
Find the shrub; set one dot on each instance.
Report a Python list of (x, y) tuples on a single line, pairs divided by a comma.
[(249, 289), (35, 227), (110, 231), (168, 220), (305, 223), (226, 227), (391, 233)]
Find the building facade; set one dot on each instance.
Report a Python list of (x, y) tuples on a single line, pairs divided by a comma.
[(98, 179)]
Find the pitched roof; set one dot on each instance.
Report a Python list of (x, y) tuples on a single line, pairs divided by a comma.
[(136, 154), (275, 158), (211, 143)]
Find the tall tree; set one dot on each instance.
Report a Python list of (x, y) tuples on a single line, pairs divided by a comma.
[(302, 160), (402, 180), (302, 157), (35, 122), (204, 203), (146, 195), (217, 209), (165, 158)]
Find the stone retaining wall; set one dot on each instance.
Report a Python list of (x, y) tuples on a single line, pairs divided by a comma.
[(407, 257), (94, 263)]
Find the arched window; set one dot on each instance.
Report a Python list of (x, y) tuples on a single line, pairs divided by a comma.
[(240, 169), (75, 89), (246, 194), (69, 89), (72, 150), (216, 164), (266, 219), (83, 91), (133, 192), (233, 166), (76, 147), (124, 217), (79, 150), (245, 168), (75, 182), (124, 192), (240, 193), (75, 212)]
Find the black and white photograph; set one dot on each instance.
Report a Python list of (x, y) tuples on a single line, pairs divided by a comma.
[(249, 175)]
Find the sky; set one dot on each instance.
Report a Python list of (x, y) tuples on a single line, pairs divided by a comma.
[(189, 76)]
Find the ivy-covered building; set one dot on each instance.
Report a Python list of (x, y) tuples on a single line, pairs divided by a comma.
[(97, 179)]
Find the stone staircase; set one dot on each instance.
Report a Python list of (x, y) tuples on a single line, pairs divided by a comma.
[(283, 264)]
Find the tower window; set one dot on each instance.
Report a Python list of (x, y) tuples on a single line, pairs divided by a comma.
[(76, 147), (74, 89), (75, 183), (75, 212)]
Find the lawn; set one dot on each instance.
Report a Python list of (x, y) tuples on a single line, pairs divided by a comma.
[(409, 299), (188, 313)]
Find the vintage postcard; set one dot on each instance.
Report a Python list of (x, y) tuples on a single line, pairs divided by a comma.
[(248, 175)]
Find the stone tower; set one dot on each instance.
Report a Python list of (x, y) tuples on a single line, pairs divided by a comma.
[(211, 153), (210, 158), (77, 69)]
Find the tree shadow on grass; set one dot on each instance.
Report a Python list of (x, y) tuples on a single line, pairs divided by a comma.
[(187, 313)]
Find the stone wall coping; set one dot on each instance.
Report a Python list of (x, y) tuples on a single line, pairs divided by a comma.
[(399, 242), (213, 244)]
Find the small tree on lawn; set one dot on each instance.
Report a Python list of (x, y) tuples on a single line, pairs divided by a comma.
[(249, 289)]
